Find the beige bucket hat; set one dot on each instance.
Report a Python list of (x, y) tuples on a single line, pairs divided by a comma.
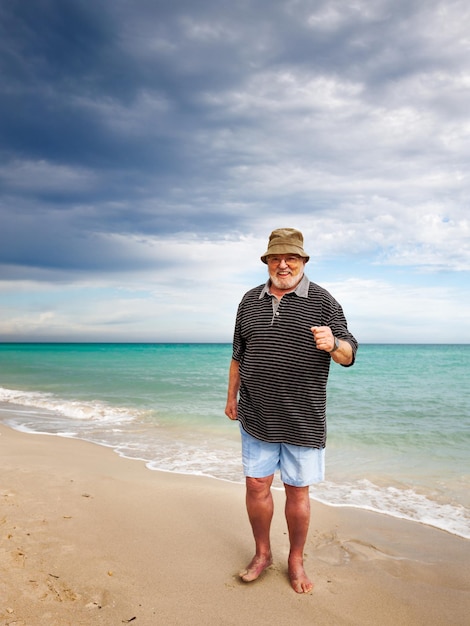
[(285, 241)]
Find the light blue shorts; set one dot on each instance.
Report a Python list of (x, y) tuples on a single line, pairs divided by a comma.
[(299, 466)]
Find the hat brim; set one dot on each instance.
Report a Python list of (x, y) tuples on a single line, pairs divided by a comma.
[(283, 248)]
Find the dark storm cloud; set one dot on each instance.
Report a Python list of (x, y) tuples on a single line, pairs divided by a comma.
[(156, 117)]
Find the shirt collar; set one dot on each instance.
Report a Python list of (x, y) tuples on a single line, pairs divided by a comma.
[(301, 290)]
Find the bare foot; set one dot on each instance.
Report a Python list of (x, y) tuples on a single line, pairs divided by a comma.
[(255, 568), (299, 580)]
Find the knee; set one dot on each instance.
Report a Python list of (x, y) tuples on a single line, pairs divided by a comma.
[(297, 494), (259, 487)]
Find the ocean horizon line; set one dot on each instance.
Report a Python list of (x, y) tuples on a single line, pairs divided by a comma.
[(215, 343)]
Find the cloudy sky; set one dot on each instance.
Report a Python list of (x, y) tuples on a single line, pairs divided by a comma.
[(149, 147)]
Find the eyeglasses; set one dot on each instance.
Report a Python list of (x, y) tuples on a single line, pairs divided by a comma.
[(277, 260)]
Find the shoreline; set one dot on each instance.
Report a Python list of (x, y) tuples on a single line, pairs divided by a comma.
[(412, 502), (88, 536)]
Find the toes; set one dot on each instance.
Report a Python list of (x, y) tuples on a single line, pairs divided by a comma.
[(254, 569), (301, 584)]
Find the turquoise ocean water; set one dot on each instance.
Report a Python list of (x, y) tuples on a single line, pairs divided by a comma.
[(398, 421)]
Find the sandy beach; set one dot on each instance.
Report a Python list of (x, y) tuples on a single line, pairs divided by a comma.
[(89, 538)]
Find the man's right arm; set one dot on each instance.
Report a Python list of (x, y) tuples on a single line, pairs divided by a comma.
[(231, 409)]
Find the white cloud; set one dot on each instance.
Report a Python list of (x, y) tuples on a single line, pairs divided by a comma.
[(380, 311)]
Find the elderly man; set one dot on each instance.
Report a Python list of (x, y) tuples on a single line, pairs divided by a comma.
[(287, 331)]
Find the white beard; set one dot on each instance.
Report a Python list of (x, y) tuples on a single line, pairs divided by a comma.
[(285, 282)]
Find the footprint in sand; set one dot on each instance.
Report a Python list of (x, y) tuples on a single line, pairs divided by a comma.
[(330, 549)]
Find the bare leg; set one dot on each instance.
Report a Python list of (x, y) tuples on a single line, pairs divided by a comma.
[(298, 519), (260, 507)]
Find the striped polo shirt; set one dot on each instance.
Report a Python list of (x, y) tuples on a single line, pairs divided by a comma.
[(283, 376)]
